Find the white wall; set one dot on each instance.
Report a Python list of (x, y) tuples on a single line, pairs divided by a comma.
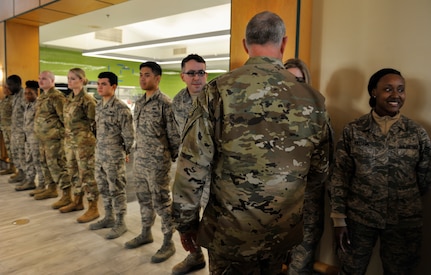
[(353, 39)]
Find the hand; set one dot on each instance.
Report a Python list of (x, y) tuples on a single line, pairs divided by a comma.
[(342, 238), (188, 240), (127, 159)]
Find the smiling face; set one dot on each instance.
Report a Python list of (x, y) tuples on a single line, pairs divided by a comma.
[(390, 95)]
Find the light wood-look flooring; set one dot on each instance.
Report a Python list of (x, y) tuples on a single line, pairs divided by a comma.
[(54, 243)]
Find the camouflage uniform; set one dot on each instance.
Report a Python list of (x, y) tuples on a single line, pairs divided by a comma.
[(17, 131), (6, 122), (377, 184), (115, 136), (79, 113), (182, 105), (266, 140), (157, 142), (49, 129), (32, 153)]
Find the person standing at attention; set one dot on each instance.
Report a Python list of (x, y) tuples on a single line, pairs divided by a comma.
[(32, 152), (49, 129), (5, 125), (382, 170), (157, 143), (193, 74), (79, 113), (115, 137), (265, 140), (14, 84)]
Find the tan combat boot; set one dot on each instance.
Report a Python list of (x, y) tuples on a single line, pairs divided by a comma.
[(39, 189), (50, 192), (64, 200), (91, 214), (75, 205)]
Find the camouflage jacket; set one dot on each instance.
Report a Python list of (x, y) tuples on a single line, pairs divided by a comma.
[(79, 112), (114, 126), (48, 120), (6, 112), (379, 179), (181, 105), (18, 109), (266, 140), (30, 110), (156, 129)]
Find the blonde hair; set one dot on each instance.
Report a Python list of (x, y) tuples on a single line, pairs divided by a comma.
[(80, 73)]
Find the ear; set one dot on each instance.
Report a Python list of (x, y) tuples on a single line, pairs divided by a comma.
[(182, 77), (244, 45), (283, 45)]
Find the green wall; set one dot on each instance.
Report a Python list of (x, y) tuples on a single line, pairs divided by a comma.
[(61, 61)]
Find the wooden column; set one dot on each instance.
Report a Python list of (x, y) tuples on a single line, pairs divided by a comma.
[(289, 10), (22, 51)]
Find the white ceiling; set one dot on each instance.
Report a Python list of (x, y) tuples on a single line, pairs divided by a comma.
[(163, 30)]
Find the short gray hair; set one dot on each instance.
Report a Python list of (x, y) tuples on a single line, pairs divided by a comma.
[(265, 27)]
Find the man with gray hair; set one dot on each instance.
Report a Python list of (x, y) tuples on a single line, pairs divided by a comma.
[(265, 139)]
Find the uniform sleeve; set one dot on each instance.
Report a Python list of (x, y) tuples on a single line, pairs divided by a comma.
[(314, 196), (193, 167), (172, 132), (423, 169), (341, 175), (127, 129), (58, 103), (91, 114)]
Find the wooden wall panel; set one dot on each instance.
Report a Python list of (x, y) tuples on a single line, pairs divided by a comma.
[(243, 10), (22, 51)]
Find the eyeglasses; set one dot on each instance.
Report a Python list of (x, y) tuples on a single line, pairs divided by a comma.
[(200, 73)]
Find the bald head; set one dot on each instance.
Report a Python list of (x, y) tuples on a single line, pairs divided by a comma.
[(46, 80)]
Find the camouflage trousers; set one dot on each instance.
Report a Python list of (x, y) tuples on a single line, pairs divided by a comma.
[(152, 190), (111, 181), (80, 169), (17, 146), (53, 162), (32, 159), (399, 248), (218, 265), (6, 138)]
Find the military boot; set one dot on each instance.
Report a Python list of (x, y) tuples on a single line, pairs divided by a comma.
[(144, 238), (194, 261), (19, 177), (91, 214), (50, 192), (27, 185), (39, 189), (107, 222), (74, 205), (64, 200), (10, 170), (166, 251), (118, 229)]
